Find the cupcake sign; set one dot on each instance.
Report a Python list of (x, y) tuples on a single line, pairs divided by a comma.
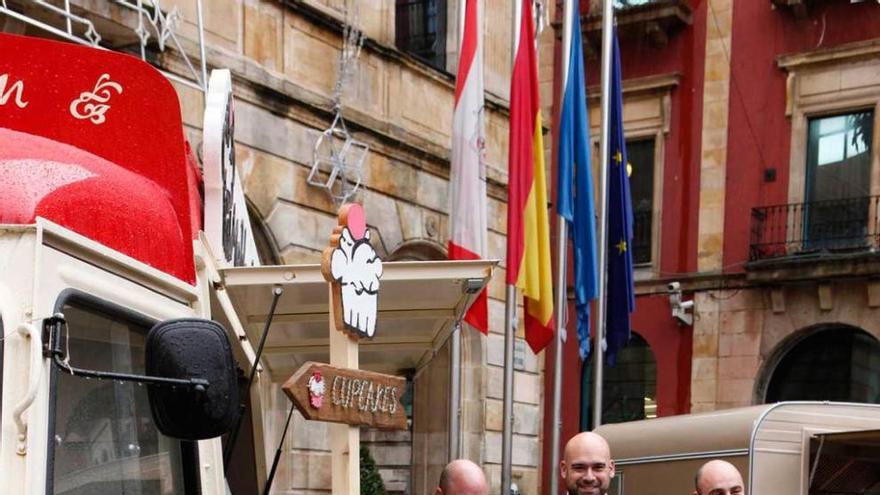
[(322, 392), (353, 268)]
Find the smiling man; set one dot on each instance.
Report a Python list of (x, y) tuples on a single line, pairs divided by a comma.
[(586, 465), (718, 478)]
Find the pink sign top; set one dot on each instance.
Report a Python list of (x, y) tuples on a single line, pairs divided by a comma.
[(357, 221)]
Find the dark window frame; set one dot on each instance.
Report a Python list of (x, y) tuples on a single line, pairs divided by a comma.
[(650, 141), (836, 221), (189, 451), (586, 383), (788, 354), (416, 44)]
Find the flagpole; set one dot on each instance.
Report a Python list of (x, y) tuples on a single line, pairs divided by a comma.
[(455, 392), (598, 350), (561, 272), (510, 322), (454, 432)]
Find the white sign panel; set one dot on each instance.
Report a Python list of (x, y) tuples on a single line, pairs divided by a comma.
[(227, 224)]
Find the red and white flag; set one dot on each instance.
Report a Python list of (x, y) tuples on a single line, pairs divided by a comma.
[(467, 240)]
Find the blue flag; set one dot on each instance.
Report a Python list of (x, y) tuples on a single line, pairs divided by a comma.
[(575, 187), (621, 294)]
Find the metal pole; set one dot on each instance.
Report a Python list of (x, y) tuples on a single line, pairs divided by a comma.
[(233, 435), (598, 351), (561, 285), (507, 435), (509, 314), (67, 17), (462, 14), (561, 314), (455, 392), (204, 61), (455, 338)]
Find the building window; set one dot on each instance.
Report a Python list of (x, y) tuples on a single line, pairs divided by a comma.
[(640, 154), (420, 30), (629, 390), (838, 178), (836, 364), (647, 104)]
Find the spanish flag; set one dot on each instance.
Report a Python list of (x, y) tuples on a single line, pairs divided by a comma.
[(528, 233)]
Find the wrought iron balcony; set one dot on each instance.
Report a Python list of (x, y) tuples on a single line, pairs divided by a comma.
[(642, 235), (800, 8), (833, 226), (654, 21)]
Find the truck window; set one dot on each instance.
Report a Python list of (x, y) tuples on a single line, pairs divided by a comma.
[(102, 436)]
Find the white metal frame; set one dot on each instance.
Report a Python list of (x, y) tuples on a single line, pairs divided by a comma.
[(153, 21)]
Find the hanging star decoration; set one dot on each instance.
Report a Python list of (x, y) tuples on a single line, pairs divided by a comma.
[(337, 161), (338, 158)]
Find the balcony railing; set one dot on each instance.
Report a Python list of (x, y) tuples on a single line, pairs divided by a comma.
[(833, 226), (642, 235), (652, 21)]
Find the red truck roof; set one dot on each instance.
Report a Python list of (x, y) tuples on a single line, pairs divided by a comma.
[(93, 140)]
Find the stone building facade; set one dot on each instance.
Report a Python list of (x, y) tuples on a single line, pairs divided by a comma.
[(284, 60)]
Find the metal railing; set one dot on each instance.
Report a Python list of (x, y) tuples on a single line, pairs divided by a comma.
[(596, 5), (642, 235), (154, 27), (838, 225)]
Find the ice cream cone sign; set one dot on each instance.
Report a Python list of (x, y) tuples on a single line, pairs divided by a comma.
[(353, 269)]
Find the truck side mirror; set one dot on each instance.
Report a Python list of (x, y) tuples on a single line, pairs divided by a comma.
[(192, 348)]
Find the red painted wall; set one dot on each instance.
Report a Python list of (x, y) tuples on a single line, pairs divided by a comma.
[(758, 138), (671, 345), (759, 133)]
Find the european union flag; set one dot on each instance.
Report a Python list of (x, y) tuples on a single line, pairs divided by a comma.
[(575, 187), (621, 293)]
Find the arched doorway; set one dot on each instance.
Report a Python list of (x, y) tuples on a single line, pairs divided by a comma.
[(629, 390), (836, 363)]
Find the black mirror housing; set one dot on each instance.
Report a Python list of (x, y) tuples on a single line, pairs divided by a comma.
[(192, 348)]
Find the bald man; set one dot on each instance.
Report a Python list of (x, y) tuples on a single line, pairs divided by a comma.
[(462, 477), (586, 466), (718, 478)]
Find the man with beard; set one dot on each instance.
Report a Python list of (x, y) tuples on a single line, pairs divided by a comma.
[(718, 478), (586, 465), (462, 477)]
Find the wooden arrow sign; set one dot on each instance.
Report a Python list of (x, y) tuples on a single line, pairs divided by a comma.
[(355, 397)]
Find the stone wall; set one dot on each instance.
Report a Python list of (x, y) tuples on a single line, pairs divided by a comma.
[(284, 61), (738, 333), (713, 163)]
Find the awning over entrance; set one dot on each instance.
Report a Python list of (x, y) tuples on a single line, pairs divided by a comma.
[(419, 303)]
